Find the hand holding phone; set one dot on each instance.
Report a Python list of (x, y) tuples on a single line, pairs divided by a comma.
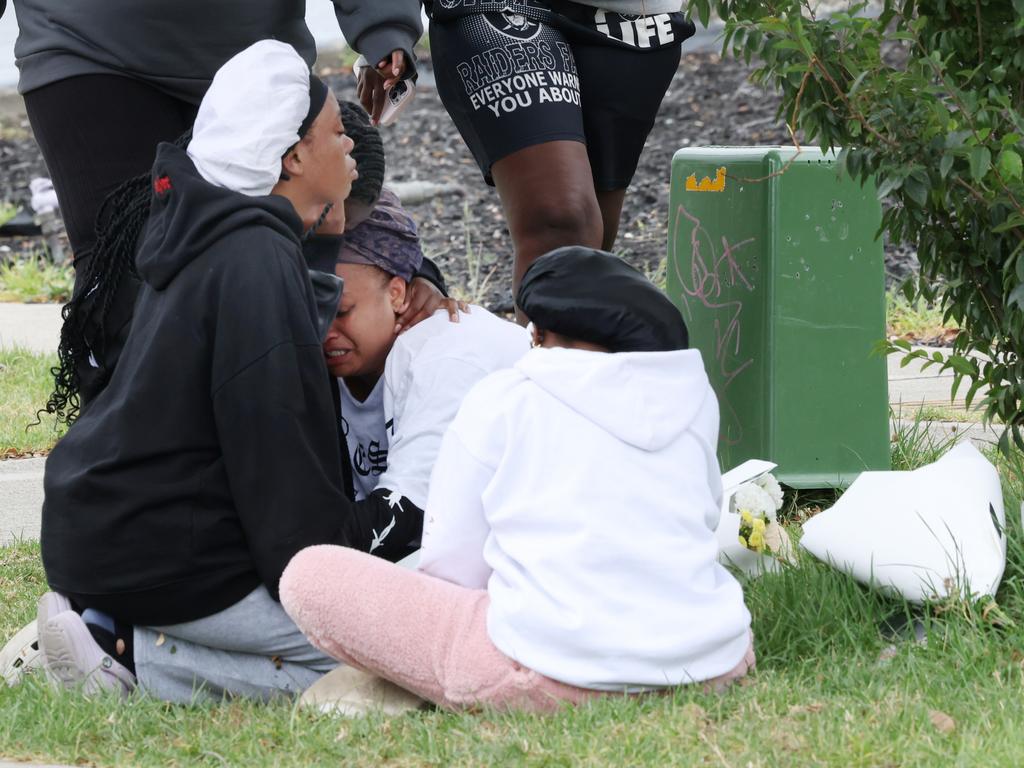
[(395, 99), (382, 92)]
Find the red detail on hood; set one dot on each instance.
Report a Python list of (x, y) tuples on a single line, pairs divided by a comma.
[(162, 185)]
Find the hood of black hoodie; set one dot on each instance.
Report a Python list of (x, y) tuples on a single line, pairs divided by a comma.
[(188, 215)]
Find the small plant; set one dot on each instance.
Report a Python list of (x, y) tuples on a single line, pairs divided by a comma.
[(35, 281), (474, 290), (658, 273), (915, 444), (7, 212), (917, 321)]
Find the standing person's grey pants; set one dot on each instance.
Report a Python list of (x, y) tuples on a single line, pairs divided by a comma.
[(251, 649)]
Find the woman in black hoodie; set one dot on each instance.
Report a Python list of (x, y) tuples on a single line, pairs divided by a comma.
[(178, 497)]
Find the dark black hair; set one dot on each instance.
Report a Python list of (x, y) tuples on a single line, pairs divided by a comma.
[(368, 152), (84, 366)]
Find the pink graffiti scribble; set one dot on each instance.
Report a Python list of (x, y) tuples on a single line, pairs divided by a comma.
[(705, 284)]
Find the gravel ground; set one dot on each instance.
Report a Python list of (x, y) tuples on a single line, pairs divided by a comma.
[(709, 102)]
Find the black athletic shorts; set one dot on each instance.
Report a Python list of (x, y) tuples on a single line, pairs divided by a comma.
[(516, 74)]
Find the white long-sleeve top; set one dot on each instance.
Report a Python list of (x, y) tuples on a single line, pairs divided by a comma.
[(581, 489), (428, 372)]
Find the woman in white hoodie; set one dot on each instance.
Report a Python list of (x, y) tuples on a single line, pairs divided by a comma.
[(568, 548)]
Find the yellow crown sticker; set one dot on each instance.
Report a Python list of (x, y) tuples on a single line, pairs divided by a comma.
[(706, 184)]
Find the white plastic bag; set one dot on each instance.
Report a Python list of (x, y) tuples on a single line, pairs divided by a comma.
[(44, 196), (921, 534)]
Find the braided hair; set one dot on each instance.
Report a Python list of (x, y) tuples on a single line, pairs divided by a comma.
[(82, 369), (368, 152)]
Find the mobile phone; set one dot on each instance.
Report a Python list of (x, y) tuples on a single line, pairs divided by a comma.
[(395, 99)]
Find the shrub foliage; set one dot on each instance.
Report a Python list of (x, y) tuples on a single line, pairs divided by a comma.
[(926, 97)]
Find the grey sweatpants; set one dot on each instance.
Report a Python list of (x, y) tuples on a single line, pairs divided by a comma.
[(251, 649)]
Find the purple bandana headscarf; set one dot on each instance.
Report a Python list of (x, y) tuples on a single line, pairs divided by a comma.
[(387, 239)]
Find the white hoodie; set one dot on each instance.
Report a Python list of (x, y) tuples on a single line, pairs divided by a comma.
[(581, 489)]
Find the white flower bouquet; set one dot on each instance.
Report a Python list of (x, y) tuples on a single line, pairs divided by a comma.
[(752, 512)]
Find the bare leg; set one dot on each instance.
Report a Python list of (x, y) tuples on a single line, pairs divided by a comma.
[(547, 191), (610, 203)]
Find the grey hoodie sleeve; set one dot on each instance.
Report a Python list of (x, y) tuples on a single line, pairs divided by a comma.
[(376, 28)]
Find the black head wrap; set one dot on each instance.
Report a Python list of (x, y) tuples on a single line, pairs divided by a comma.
[(317, 99), (593, 296)]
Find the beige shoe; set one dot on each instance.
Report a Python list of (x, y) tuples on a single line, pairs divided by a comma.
[(350, 692)]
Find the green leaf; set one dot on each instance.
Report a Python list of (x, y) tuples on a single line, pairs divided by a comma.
[(902, 344), (889, 184), (969, 397), (1012, 222), (981, 160), (907, 289), (945, 164), (1017, 297), (962, 365), (1009, 164), (916, 189), (857, 82), (703, 11), (956, 139), (957, 380)]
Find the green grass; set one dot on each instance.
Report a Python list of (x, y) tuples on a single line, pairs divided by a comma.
[(828, 691), (35, 281), (915, 321), (473, 286), (7, 211), (26, 383), (957, 413)]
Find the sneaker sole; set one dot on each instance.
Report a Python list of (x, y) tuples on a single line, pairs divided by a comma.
[(50, 605), (75, 661)]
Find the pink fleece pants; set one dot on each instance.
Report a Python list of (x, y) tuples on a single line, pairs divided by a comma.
[(424, 634)]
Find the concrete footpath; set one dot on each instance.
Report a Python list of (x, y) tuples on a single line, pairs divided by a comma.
[(37, 327)]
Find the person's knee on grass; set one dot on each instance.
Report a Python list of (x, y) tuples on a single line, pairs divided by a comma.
[(163, 478)]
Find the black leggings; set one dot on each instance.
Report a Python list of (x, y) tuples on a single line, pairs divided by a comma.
[(96, 131)]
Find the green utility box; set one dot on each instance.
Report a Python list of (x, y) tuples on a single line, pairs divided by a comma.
[(774, 264)]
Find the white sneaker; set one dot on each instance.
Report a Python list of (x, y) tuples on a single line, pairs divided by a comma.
[(72, 657), (350, 692), (21, 655)]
